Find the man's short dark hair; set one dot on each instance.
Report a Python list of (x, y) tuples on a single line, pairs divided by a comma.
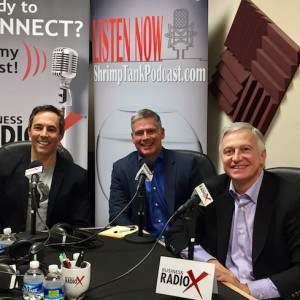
[(51, 108)]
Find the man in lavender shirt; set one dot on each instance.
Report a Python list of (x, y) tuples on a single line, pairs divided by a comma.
[(251, 230)]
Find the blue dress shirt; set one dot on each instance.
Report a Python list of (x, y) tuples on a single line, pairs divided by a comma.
[(157, 212)]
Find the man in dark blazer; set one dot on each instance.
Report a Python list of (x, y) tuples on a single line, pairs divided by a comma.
[(63, 192), (175, 176), (251, 230)]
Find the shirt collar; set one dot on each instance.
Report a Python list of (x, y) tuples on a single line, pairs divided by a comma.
[(252, 192), (160, 156)]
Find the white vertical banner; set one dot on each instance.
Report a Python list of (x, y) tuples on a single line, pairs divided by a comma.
[(147, 54), (30, 31)]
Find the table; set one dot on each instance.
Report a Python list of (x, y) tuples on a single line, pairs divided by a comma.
[(113, 257)]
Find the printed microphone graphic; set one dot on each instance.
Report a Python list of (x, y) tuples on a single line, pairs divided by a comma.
[(64, 65)]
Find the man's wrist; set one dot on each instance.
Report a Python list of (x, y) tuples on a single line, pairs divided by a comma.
[(244, 287)]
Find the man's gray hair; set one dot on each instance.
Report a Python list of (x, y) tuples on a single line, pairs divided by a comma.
[(146, 113), (243, 125)]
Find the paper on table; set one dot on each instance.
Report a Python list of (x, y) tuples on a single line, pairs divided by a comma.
[(119, 231)]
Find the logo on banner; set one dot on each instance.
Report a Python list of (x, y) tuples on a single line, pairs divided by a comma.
[(40, 61), (186, 278), (75, 280), (181, 33), (140, 38)]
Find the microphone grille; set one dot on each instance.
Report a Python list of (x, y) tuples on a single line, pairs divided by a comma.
[(64, 62), (181, 18)]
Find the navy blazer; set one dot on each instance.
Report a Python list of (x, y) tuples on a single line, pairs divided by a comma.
[(69, 197), (182, 175), (276, 232)]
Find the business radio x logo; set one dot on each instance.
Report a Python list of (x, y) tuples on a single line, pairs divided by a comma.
[(75, 280), (79, 280), (195, 281), (207, 197)]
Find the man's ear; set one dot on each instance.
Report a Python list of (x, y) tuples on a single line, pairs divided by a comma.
[(29, 132), (132, 139), (61, 136), (162, 133)]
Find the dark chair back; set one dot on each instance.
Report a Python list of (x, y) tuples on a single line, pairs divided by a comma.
[(290, 173), (24, 146), (206, 165)]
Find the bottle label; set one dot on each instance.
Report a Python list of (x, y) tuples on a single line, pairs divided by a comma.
[(33, 288), (54, 293), (3, 245)]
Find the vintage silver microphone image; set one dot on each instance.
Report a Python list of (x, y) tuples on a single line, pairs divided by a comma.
[(64, 65)]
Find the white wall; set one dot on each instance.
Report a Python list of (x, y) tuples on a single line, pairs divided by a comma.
[(283, 135)]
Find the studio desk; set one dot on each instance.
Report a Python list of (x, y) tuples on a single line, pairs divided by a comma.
[(113, 257)]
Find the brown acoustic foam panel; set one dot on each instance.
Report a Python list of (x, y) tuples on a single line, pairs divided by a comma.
[(235, 34), (278, 55), (219, 97), (228, 93), (272, 68), (262, 60), (267, 117), (264, 113), (243, 43), (250, 97), (267, 81), (227, 86), (249, 53), (288, 46), (225, 72), (237, 69), (244, 98)]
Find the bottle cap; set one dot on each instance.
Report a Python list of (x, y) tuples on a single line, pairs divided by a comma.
[(53, 268), (7, 231), (34, 264)]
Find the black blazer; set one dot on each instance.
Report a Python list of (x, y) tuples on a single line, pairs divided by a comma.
[(69, 198), (276, 232), (182, 175)]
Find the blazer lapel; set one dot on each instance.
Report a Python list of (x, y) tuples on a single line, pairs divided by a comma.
[(224, 210), (57, 179), (170, 179), (24, 183), (263, 215)]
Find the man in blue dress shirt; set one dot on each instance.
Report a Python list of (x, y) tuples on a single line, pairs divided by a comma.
[(174, 176)]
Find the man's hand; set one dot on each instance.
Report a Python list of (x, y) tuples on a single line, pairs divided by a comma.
[(223, 274)]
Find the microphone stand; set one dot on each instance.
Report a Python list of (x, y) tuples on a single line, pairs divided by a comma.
[(189, 224), (33, 235), (34, 207), (139, 237)]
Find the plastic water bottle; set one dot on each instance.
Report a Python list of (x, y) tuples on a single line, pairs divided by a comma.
[(6, 239), (53, 284), (33, 282)]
